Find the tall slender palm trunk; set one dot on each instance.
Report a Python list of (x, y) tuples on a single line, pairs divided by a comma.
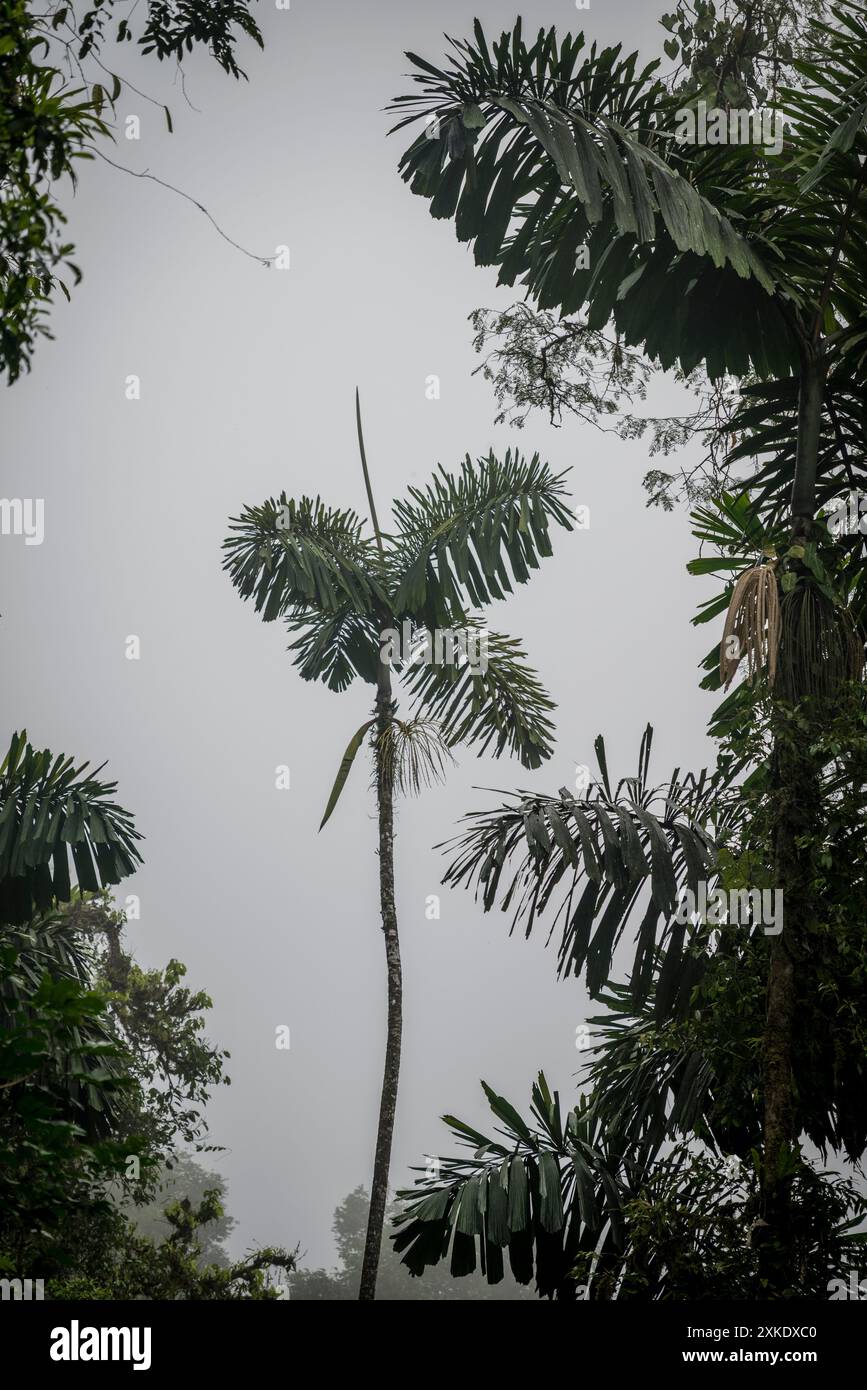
[(391, 1072), (394, 1027), (797, 810)]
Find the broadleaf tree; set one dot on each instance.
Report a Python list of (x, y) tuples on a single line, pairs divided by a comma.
[(58, 104)]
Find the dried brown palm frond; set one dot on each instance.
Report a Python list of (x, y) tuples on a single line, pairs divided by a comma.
[(413, 754), (752, 626), (821, 648)]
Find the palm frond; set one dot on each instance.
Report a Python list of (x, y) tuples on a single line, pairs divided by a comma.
[(49, 809), (467, 537), (591, 1219), (541, 151), (504, 705), (286, 554), (334, 647), (541, 1190), (597, 853), (765, 428), (649, 1084), (538, 151)]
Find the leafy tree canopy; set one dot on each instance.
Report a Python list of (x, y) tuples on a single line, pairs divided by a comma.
[(58, 93)]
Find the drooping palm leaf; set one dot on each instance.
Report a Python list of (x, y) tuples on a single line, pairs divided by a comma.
[(541, 1191), (595, 855), (334, 647), (539, 150), (345, 768), (648, 1084), (51, 809), (504, 705), (286, 554)]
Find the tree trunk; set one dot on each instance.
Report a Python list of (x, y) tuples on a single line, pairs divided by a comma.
[(388, 1100), (795, 798), (775, 1253), (810, 396)]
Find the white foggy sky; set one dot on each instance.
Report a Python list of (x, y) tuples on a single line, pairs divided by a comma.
[(247, 379)]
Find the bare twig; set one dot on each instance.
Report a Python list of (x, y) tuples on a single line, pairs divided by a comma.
[(144, 174)]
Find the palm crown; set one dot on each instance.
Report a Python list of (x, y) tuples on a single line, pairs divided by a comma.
[(468, 537)]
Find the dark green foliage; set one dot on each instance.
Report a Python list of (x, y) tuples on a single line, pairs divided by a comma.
[(286, 554), (464, 540), (764, 428), (576, 151), (506, 702), (49, 811), (104, 1069), (168, 28), (466, 537), (394, 1282), (542, 1196), (820, 649), (50, 121), (112, 1261), (587, 1213), (44, 127), (738, 53), (598, 851), (160, 1025), (334, 647), (57, 1152), (687, 1054), (103, 1072)]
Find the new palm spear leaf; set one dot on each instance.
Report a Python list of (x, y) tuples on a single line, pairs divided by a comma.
[(339, 583)]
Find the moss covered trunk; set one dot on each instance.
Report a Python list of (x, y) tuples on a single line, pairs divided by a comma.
[(796, 797)]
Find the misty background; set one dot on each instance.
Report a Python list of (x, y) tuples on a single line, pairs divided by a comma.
[(247, 387)]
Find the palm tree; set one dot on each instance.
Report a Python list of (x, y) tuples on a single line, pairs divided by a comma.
[(721, 255), (569, 1201), (344, 591), (646, 1188), (51, 809)]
